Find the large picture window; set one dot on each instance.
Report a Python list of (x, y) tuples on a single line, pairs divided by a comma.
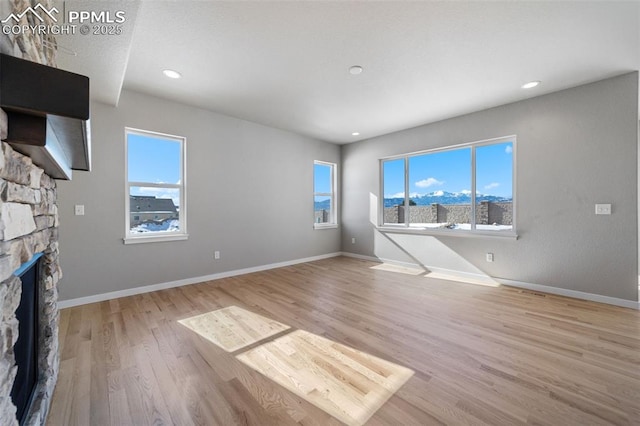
[(467, 187), (324, 195), (155, 196)]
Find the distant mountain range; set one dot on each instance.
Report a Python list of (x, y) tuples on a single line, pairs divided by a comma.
[(322, 205), (440, 197), (444, 197)]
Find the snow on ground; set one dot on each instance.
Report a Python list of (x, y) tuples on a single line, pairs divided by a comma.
[(171, 225), (465, 226)]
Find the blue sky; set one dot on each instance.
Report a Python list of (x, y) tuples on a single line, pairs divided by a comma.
[(451, 171), (155, 160), (321, 178)]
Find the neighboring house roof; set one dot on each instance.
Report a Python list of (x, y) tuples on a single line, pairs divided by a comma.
[(141, 204)]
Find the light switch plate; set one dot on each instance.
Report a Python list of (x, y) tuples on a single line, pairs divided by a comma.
[(79, 209), (603, 208)]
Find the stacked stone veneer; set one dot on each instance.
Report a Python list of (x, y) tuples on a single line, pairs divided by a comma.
[(41, 48), (28, 225), (487, 213)]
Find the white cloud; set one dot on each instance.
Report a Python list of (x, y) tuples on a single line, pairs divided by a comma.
[(509, 149), (396, 195), (492, 185), (467, 192), (425, 183), (401, 195)]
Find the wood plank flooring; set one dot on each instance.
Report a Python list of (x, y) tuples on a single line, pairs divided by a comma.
[(233, 328), (480, 355), (346, 383)]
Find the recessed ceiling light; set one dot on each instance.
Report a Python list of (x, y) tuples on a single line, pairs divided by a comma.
[(355, 134), (530, 84), (355, 70), (172, 73)]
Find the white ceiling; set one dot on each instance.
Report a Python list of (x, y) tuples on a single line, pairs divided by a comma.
[(285, 64)]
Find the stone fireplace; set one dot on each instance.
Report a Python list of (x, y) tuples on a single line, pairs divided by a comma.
[(28, 226)]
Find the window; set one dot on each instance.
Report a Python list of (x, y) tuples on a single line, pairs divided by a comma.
[(155, 193), (467, 187), (324, 195)]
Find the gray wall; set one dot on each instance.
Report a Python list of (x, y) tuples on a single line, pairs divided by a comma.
[(249, 195), (575, 148)]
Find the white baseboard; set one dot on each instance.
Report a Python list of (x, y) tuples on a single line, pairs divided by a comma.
[(536, 287), (171, 284), (361, 257), (399, 263), (382, 260), (179, 283), (450, 272), (571, 293), (463, 275)]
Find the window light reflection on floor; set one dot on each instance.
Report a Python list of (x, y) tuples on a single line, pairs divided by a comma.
[(348, 384)]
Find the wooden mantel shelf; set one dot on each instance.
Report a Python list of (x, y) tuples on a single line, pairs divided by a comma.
[(45, 115)]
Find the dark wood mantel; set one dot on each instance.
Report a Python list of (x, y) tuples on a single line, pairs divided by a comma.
[(46, 115)]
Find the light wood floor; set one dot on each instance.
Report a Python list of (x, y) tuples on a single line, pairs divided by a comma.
[(233, 328), (350, 385), (480, 355)]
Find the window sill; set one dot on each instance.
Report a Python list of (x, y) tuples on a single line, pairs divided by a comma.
[(155, 238), (448, 232), (325, 226)]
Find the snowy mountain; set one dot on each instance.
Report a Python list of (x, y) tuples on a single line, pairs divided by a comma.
[(322, 205), (444, 197), (440, 197)]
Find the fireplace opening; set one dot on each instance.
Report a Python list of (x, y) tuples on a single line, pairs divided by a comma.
[(26, 347)]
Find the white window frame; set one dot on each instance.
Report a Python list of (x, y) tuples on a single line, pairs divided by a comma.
[(333, 214), (473, 232), (182, 186)]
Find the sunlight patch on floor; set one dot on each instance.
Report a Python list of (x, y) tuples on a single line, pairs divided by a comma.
[(233, 328), (479, 280), (389, 267), (346, 383)]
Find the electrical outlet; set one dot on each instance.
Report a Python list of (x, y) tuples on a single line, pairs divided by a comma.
[(353, 240), (79, 209), (489, 257), (216, 255), (603, 208)]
